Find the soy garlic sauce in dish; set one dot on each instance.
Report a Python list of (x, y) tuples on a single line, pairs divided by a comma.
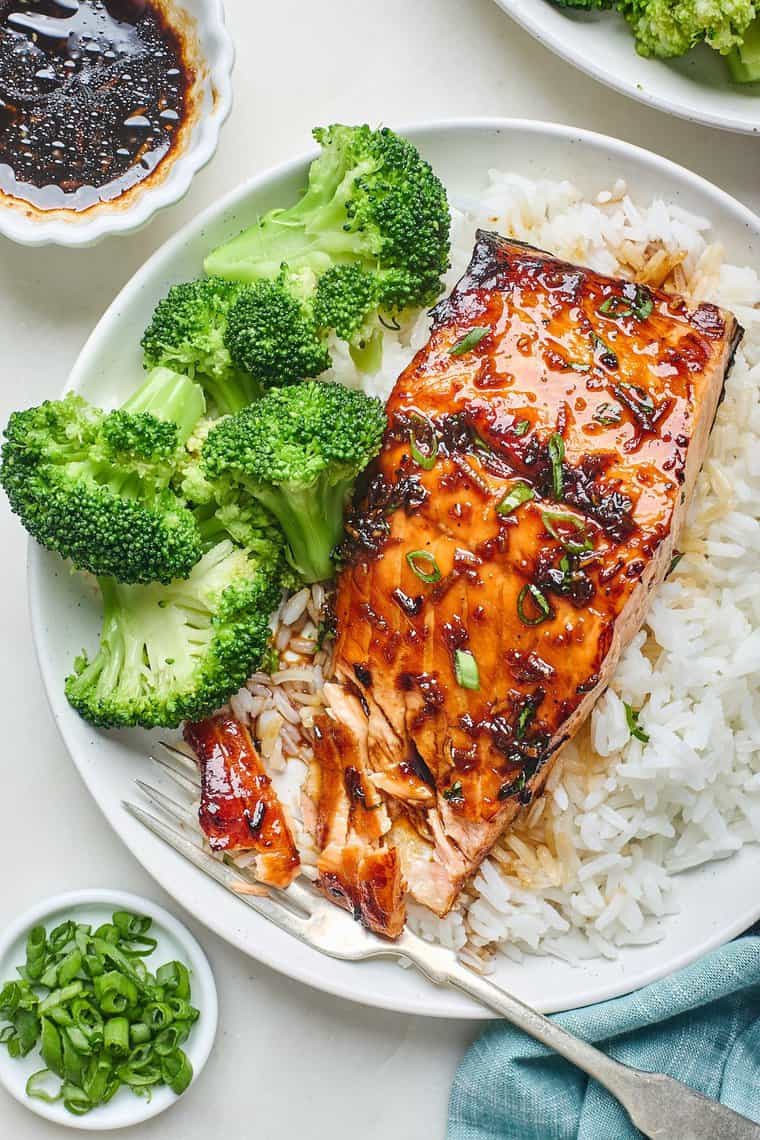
[(93, 96)]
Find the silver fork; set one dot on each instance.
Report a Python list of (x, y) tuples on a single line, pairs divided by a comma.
[(658, 1105)]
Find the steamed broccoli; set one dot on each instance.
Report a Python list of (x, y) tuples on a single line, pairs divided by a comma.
[(666, 28), (372, 231), (744, 59), (176, 652), (187, 333), (96, 486), (271, 332), (298, 451)]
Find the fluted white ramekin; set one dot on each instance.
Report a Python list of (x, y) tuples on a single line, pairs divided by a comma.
[(210, 100)]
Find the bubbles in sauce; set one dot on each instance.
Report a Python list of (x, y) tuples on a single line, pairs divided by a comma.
[(92, 97)]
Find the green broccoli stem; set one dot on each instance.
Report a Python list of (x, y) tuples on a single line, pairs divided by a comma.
[(211, 529), (744, 61), (169, 396), (312, 519), (368, 356), (232, 393), (105, 668)]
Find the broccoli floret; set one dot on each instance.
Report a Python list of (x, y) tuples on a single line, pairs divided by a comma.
[(272, 335), (665, 29), (374, 222), (222, 509), (346, 300), (298, 451), (187, 333), (176, 652), (96, 487)]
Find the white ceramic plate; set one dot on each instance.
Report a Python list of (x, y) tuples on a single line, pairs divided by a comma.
[(174, 942), (716, 902), (695, 87)]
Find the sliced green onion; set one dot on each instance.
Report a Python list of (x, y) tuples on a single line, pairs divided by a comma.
[(97, 1079), (61, 996), (615, 307), (94, 965), (141, 1056), (86, 1017), (69, 967), (139, 1033), (466, 669), (141, 944), (551, 515), (10, 996), (470, 340), (36, 944), (632, 720), (520, 493), (73, 1063), (27, 1026), (129, 925), (426, 462), (177, 1071), (50, 976), (158, 1015), (105, 1020), (521, 427), (175, 977), (75, 1100), (107, 933), (454, 794), (608, 414), (36, 1087), (116, 1036), (433, 574), (170, 1038), (182, 1010), (557, 454), (642, 302), (527, 712), (114, 992), (61, 1015), (79, 1040), (61, 935), (50, 1046), (545, 611), (607, 356), (424, 459)]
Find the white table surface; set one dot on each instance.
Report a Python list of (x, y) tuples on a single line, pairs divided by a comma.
[(289, 1062)]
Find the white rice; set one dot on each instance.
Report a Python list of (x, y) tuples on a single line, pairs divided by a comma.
[(589, 867)]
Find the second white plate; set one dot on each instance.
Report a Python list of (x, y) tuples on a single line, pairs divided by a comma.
[(695, 87), (715, 902)]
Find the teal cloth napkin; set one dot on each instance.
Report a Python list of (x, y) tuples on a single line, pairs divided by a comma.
[(701, 1025)]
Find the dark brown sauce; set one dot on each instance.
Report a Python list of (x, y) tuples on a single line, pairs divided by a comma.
[(92, 96)]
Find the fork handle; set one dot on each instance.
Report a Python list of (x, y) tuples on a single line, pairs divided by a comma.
[(660, 1107)]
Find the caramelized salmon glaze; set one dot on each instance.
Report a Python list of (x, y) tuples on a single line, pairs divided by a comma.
[(538, 461), (239, 809)]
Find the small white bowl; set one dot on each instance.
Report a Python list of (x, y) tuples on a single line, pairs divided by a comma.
[(211, 52), (174, 942)]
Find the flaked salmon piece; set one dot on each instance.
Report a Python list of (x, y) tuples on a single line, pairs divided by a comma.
[(239, 808), (540, 455), (356, 868)]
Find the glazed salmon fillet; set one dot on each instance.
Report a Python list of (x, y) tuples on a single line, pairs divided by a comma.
[(239, 809), (539, 458)]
